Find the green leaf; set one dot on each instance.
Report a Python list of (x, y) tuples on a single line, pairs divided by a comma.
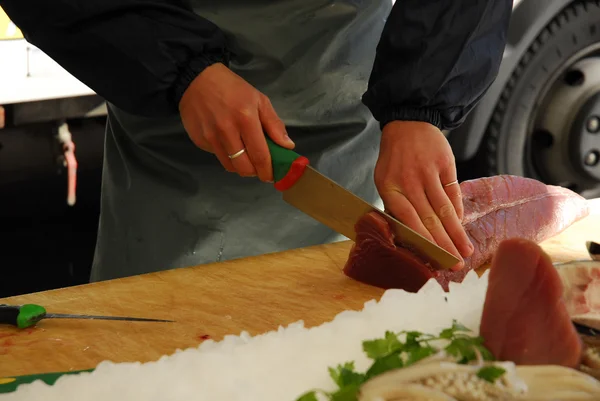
[(309, 396), (344, 375), (416, 354), (451, 332), (381, 347), (490, 373), (384, 364), (348, 393)]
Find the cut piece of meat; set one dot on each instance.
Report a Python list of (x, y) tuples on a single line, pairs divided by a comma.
[(375, 242), (525, 319), (496, 208), (581, 283)]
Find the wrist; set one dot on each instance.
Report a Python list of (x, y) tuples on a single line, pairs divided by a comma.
[(398, 127), (410, 114), (192, 70)]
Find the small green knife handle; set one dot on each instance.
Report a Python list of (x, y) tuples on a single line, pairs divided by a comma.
[(29, 315), (288, 165)]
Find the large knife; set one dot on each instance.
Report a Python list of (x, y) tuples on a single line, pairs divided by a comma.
[(339, 209)]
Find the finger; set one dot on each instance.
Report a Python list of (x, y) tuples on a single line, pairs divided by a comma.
[(447, 176), (257, 149), (433, 224), (400, 208), (273, 125), (231, 141), (447, 215), (221, 154), (454, 193)]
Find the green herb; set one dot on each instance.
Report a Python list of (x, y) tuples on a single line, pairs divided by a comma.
[(344, 375), (491, 373), (382, 347), (310, 396), (389, 353)]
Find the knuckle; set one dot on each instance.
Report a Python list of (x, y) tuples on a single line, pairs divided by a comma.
[(446, 211), (431, 223), (245, 115), (260, 159), (224, 125), (264, 99)]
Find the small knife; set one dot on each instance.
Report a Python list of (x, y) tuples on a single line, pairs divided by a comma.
[(339, 209), (585, 329), (593, 249), (23, 316)]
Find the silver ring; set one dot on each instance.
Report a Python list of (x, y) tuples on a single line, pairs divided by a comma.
[(451, 183), (233, 156)]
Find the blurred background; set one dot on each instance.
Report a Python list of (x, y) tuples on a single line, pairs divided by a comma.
[(539, 119)]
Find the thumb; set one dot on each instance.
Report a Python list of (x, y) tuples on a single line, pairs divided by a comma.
[(273, 125)]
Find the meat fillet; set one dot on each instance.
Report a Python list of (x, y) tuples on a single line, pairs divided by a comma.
[(525, 319), (495, 208)]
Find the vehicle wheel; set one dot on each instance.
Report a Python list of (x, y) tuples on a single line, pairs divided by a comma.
[(546, 124)]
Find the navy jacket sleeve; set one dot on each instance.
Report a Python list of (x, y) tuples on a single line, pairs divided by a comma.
[(138, 54), (436, 59)]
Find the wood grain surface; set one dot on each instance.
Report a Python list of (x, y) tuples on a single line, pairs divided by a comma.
[(255, 294)]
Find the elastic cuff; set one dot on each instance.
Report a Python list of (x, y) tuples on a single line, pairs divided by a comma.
[(430, 116), (188, 73)]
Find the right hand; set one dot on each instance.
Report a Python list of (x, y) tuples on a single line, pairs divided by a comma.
[(415, 161), (222, 114)]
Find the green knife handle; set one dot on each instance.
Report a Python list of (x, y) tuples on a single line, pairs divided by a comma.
[(21, 316), (288, 166)]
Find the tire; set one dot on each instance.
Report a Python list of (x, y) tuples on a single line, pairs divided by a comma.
[(509, 145)]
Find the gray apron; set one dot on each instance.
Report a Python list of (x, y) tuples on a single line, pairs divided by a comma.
[(167, 204)]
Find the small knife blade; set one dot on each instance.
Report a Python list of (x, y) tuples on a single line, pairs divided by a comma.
[(593, 249), (586, 330), (131, 319)]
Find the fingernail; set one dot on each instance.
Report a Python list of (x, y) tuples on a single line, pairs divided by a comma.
[(288, 139)]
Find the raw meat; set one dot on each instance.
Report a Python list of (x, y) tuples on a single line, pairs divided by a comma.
[(496, 208), (581, 282), (525, 319), (374, 237)]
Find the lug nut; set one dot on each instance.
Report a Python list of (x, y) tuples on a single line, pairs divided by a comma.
[(593, 124), (591, 159)]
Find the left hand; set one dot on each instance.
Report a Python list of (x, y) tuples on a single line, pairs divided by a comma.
[(415, 161)]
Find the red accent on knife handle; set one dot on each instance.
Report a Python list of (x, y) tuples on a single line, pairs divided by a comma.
[(294, 173)]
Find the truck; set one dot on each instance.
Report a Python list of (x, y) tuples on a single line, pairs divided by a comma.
[(541, 116)]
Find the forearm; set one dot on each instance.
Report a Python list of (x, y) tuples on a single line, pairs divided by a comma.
[(436, 59), (138, 54)]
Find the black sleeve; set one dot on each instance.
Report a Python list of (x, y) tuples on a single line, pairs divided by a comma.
[(137, 54), (436, 59)]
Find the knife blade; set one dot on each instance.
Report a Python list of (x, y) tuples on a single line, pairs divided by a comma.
[(339, 209)]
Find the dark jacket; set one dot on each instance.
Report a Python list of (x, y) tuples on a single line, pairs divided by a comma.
[(435, 59)]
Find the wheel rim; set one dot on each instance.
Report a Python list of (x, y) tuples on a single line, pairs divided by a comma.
[(564, 145)]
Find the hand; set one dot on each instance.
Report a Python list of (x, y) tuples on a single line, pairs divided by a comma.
[(223, 114), (415, 161)]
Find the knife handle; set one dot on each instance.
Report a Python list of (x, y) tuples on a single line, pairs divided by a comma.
[(288, 166), (21, 316)]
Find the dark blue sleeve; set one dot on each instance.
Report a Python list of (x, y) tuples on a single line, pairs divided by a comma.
[(140, 55), (436, 59)]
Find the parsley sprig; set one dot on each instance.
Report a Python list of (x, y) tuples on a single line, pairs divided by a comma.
[(390, 352)]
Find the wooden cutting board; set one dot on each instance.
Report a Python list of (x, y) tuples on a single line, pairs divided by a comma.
[(255, 294)]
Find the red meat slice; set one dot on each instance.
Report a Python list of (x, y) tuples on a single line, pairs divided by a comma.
[(374, 237), (525, 319), (496, 208)]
